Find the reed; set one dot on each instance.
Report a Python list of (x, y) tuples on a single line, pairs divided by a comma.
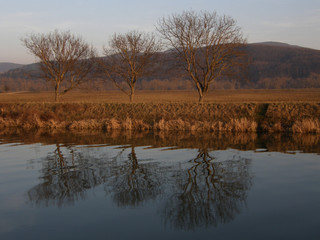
[(208, 117), (306, 126)]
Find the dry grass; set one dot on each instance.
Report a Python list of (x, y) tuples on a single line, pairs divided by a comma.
[(223, 111), (208, 117), (216, 96), (138, 116), (282, 117), (306, 126)]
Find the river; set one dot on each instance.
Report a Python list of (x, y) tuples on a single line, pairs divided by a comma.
[(145, 185)]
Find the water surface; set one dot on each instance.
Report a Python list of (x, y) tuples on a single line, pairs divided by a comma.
[(159, 186)]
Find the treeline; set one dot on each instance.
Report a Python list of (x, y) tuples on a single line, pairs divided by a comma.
[(270, 67), (283, 66)]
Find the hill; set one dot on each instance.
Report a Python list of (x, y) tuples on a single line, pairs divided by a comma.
[(6, 66), (276, 44), (270, 65), (287, 65)]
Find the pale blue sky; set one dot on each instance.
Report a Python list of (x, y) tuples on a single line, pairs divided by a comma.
[(292, 21)]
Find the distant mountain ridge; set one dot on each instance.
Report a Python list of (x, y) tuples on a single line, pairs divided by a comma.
[(6, 66), (276, 44), (271, 65)]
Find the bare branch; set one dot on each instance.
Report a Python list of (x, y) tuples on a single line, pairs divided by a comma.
[(64, 58), (128, 58), (208, 45)]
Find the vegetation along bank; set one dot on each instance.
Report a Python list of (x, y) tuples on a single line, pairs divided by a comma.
[(209, 117)]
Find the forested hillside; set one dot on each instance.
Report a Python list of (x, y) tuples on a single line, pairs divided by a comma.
[(270, 65), (283, 66)]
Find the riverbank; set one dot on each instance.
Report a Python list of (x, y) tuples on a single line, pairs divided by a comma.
[(207, 117)]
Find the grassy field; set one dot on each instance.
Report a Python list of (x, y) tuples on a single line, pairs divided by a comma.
[(217, 96), (228, 111)]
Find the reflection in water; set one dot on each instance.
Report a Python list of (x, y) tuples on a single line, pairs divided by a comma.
[(66, 176), (210, 192), (68, 173), (275, 142), (133, 183), (200, 192)]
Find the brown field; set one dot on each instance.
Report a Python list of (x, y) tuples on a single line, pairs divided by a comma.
[(222, 111), (216, 96)]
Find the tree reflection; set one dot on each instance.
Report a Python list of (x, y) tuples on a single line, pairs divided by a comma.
[(67, 174), (210, 192), (134, 182), (201, 192), (65, 177)]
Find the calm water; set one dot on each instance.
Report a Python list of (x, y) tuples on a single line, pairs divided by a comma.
[(159, 186)]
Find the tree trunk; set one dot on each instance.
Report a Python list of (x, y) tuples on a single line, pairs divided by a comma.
[(201, 98), (200, 92), (56, 93), (132, 94)]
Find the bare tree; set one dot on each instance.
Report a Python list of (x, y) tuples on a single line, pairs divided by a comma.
[(208, 45), (64, 58), (128, 58)]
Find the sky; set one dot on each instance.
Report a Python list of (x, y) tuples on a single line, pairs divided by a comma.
[(295, 22)]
